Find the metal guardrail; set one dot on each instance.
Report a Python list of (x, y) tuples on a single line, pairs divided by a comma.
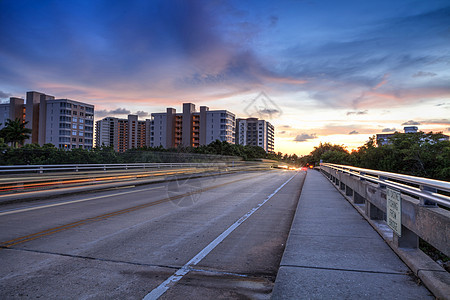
[(427, 190), (23, 179), (101, 167)]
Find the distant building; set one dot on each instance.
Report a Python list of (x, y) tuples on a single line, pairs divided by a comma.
[(191, 128), (15, 109), (383, 139), (410, 129), (122, 134), (254, 132), (64, 123), (68, 124)]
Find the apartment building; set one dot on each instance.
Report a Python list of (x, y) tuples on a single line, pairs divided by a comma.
[(15, 109), (191, 128), (255, 132), (64, 123), (69, 124), (123, 134), (383, 138)]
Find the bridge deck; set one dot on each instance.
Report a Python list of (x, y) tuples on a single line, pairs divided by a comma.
[(332, 252)]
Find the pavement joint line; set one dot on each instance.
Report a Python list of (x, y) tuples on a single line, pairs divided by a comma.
[(53, 230), (178, 275), (337, 236), (217, 272), (91, 258), (345, 270)]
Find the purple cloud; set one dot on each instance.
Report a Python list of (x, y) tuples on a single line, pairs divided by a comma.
[(303, 137)]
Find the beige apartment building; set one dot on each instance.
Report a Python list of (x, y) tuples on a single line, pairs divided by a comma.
[(123, 134), (191, 128), (255, 132), (65, 123)]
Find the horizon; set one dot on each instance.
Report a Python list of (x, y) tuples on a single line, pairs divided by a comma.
[(319, 71)]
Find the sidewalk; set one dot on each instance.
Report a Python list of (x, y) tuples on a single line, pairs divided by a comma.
[(332, 252)]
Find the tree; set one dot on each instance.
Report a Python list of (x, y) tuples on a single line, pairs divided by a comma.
[(15, 132), (418, 154)]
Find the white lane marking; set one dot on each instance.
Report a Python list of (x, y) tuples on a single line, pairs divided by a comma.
[(70, 202), (169, 282)]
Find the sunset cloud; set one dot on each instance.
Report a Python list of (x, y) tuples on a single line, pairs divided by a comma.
[(388, 130), (303, 137), (411, 122), (4, 95), (358, 113), (424, 74), (111, 113)]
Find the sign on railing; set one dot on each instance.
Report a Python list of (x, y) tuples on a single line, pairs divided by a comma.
[(394, 210)]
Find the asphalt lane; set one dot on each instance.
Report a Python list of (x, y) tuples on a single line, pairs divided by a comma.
[(122, 244)]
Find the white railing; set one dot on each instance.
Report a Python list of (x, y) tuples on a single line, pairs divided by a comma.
[(428, 190)]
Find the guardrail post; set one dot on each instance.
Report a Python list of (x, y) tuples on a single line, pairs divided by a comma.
[(41, 170), (373, 212), (362, 174), (382, 178), (357, 198), (423, 200), (408, 239), (76, 168), (348, 191)]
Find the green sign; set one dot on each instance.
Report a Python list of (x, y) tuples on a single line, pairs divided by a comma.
[(394, 210)]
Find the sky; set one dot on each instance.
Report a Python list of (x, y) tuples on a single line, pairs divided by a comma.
[(319, 71)]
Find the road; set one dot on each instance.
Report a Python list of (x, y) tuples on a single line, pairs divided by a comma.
[(214, 237)]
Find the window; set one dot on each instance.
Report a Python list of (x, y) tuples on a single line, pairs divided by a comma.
[(74, 132), (64, 139), (74, 139), (74, 112), (64, 119), (80, 126), (80, 140), (80, 133), (74, 126), (74, 119), (81, 120)]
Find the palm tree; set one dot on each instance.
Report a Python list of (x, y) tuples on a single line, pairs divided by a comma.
[(15, 132)]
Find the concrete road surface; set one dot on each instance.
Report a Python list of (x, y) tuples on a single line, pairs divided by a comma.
[(215, 237)]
